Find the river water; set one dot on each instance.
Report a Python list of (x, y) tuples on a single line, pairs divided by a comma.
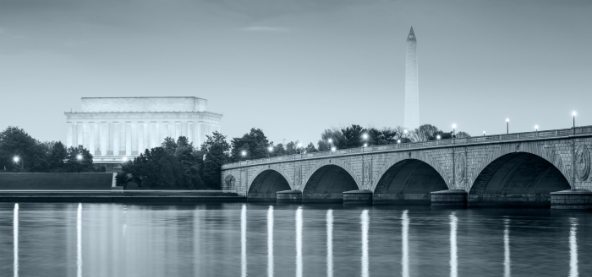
[(235, 239)]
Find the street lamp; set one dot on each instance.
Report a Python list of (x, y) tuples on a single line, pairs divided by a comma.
[(333, 149), (270, 149), (79, 157), (483, 133), (243, 153), (405, 134), (124, 159), (365, 138), (507, 126), (536, 128), (16, 160), (574, 118), (438, 137), (399, 141), (330, 140), (453, 130)]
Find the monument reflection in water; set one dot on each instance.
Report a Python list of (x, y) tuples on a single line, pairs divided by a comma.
[(276, 240)]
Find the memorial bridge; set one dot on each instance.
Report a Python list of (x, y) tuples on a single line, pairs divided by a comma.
[(519, 169)]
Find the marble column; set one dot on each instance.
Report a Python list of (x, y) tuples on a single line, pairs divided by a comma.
[(70, 135), (104, 135), (171, 131), (141, 137), (116, 136), (184, 129), (153, 134), (97, 138), (128, 139), (134, 143), (191, 133), (91, 139), (177, 129), (79, 134), (86, 135)]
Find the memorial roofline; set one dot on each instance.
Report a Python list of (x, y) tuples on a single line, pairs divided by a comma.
[(116, 97), (149, 112)]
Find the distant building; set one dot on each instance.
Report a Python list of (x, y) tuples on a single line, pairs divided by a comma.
[(115, 129), (411, 83)]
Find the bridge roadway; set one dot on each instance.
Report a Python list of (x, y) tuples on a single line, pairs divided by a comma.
[(544, 168)]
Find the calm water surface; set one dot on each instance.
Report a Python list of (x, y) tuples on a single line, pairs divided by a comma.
[(289, 240)]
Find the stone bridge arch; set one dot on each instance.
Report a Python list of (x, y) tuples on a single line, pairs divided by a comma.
[(327, 179), (518, 174), (409, 178), (265, 181), (423, 156)]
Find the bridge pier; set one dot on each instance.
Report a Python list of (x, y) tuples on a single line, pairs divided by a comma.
[(580, 199), (289, 196), (449, 198), (261, 197), (357, 197), (401, 199)]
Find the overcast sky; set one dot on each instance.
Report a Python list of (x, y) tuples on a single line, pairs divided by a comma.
[(295, 68)]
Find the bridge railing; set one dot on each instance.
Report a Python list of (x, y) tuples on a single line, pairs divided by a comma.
[(418, 145)]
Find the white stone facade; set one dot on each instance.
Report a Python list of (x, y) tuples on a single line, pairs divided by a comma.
[(116, 128), (411, 84)]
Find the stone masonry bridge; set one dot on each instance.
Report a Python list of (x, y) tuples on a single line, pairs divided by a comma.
[(534, 168)]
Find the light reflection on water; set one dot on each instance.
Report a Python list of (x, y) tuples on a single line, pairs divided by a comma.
[(270, 242), (453, 249), (227, 239), (405, 244), (365, 226), (79, 241), (507, 272), (244, 240), (330, 243), (299, 242), (15, 240), (573, 249)]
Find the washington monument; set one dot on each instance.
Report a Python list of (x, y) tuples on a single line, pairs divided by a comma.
[(411, 85)]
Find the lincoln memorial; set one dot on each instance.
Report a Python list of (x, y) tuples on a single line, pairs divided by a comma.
[(115, 129)]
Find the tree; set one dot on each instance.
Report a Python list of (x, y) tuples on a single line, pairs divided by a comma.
[(14, 142), (216, 154), (255, 143), (310, 148), (57, 156), (169, 145), (352, 137), (279, 150), (334, 134), (425, 132), (462, 135), (79, 159)]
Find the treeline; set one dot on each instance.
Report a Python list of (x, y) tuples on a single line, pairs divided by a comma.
[(20, 152), (255, 145), (178, 164)]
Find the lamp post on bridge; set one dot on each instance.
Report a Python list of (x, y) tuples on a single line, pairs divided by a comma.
[(507, 126), (573, 114), (243, 154), (453, 131)]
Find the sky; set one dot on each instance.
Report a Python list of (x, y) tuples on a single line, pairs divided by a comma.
[(295, 68)]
